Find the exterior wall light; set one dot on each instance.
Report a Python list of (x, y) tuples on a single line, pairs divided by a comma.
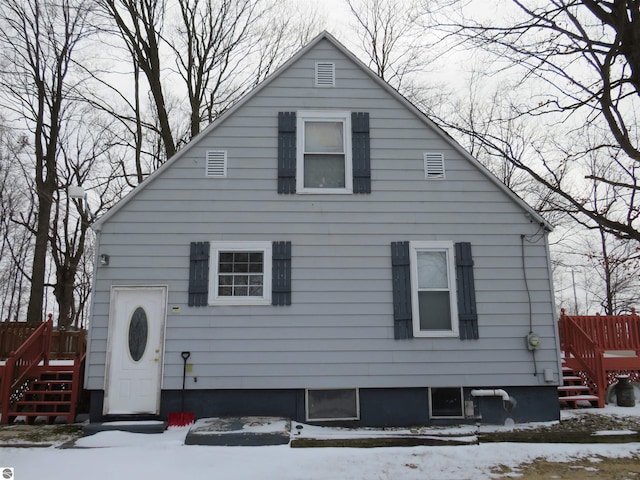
[(104, 259)]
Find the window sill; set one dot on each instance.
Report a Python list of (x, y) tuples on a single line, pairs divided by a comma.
[(240, 302), (436, 334), (325, 191)]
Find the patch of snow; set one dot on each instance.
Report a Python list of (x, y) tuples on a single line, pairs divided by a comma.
[(604, 433), (165, 457)]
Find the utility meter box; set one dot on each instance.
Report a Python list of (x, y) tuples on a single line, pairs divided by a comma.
[(533, 341)]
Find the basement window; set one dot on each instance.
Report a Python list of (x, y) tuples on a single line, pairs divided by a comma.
[(445, 402), (333, 404)]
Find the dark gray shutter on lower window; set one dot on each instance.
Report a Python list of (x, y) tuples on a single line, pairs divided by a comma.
[(401, 275), (281, 273), (467, 313), (361, 149), (199, 274), (287, 152)]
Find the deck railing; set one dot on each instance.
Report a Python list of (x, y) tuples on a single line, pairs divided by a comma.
[(611, 332), (13, 335), (23, 362), (65, 344)]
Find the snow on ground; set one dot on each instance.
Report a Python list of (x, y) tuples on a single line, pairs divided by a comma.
[(114, 454)]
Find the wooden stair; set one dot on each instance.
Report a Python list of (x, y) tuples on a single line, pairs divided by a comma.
[(574, 392), (53, 393), (32, 385)]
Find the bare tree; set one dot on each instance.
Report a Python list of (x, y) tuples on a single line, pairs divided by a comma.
[(39, 43), (579, 67), (391, 38), (210, 43), (140, 24), (82, 151), (15, 240)]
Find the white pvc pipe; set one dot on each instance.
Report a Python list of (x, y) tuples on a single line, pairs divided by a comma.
[(496, 392)]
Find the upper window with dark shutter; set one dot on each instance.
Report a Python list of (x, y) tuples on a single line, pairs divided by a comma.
[(324, 152), (324, 162)]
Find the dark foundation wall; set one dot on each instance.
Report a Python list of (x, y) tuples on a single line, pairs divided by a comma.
[(399, 407)]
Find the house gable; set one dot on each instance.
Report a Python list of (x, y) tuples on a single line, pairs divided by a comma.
[(325, 42)]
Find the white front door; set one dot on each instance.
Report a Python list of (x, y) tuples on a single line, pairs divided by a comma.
[(135, 345)]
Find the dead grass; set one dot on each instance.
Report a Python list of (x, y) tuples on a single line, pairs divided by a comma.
[(593, 467)]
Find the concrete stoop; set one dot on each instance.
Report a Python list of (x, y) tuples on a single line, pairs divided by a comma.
[(240, 431), (133, 426)]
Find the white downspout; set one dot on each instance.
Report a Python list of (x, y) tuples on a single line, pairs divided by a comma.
[(496, 392)]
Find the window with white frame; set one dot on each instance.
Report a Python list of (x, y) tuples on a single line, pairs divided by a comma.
[(324, 152), (241, 273), (433, 300), (446, 402)]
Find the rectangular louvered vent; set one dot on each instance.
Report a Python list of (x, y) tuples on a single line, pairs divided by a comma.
[(433, 166), (325, 74), (216, 163)]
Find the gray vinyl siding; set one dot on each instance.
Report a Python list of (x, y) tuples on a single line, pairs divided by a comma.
[(338, 332)]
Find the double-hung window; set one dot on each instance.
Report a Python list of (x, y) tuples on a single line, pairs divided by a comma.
[(241, 273), (433, 300), (324, 162)]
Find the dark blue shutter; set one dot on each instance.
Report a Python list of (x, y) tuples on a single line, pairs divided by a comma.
[(467, 313), (401, 274), (199, 274), (287, 152), (281, 273), (361, 149)]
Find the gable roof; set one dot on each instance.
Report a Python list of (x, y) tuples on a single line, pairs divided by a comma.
[(535, 216)]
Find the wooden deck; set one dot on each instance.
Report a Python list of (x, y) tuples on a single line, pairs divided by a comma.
[(41, 371), (600, 348)]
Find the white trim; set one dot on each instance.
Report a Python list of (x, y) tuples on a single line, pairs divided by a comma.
[(303, 116), (216, 164), (324, 419), (325, 74), (216, 248), (431, 415), (433, 166), (437, 246)]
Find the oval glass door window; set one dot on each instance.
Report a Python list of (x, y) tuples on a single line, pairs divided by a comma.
[(138, 334)]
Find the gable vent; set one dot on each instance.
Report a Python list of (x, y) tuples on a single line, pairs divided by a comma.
[(433, 165), (216, 163), (325, 74)]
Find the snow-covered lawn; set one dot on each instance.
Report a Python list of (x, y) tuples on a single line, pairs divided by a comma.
[(119, 455)]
